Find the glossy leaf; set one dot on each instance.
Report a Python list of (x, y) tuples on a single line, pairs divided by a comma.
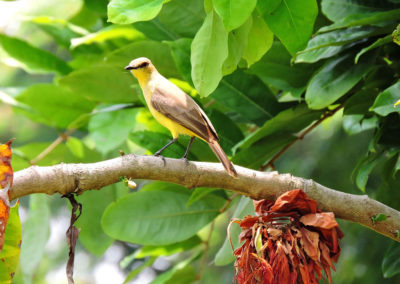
[(292, 22), (334, 80), (384, 103), (328, 44), (130, 11), (275, 69), (54, 105), (154, 214), (10, 253), (104, 83), (268, 6), (208, 52), (182, 18), (111, 129), (247, 96), (234, 13), (35, 235), (31, 58), (288, 121), (260, 39)]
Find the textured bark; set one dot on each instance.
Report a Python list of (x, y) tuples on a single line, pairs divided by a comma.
[(67, 178)]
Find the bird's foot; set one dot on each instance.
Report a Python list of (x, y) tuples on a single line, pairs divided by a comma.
[(160, 156), (184, 158)]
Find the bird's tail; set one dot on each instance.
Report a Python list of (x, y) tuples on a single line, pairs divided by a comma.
[(223, 158)]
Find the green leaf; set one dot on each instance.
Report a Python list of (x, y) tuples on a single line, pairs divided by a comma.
[(208, 53), (180, 50), (288, 121), (360, 102), (356, 123), (292, 22), (377, 43), (364, 168), (260, 39), (61, 30), (130, 11), (248, 96), (268, 6), (179, 274), (334, 80), (181, 18), (336, 10), (391, 261), (158, 53), (94, 203), (110, 37), (384, 103), (199, 193), (110, 129), (396, 35), (10, 252), (54, 105), (237, 42), (104, 83), (33, 59), (135, 272), (157, 215), (331, 43), (185, 245), (275, 69), (35, 235), (234, 13), (225, 255)]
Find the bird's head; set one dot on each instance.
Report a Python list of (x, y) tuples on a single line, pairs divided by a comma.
[(140, 67)]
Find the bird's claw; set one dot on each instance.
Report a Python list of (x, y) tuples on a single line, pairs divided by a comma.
[(185, 159), (160, 156)]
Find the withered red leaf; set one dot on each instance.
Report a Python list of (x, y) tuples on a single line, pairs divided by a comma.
[(6, 178), (289, 241)]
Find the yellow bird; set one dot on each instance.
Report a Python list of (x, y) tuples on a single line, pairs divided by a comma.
[(175, 110)]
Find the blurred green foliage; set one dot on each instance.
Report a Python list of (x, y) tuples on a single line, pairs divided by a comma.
[(264, 71)]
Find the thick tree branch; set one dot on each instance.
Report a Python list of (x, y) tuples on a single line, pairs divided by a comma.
[(67, 178)]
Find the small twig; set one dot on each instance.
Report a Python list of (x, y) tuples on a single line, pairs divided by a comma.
[(72, 235), (62, 137), (271, 162)]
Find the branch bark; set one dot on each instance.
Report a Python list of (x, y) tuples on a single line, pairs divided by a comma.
[(68, 178)]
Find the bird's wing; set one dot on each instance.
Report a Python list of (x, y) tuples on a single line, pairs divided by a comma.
[(175, 104)]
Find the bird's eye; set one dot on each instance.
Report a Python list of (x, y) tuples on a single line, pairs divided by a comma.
[(144, 64)]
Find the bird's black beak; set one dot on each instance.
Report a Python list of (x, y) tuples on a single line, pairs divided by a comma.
[(129, 67)]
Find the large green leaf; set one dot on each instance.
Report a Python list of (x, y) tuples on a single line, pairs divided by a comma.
[(234, 13), (208, 53), (103, 83), (379, 42), (334, 80), (260, 39), (10, 252), (225, 255), (268, 6), (54, 105), (289, 121), (391, 262), (275, 69), (180, 50), (248, 96), (36, 232), (182, 18), (111, 129), (157, 215), (384, 103), (159, 53), (337, 10), (94, 203), (31, 58), (292, 22), (130, 11), (331, 43)]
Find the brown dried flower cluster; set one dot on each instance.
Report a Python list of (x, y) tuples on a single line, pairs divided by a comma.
[(289, 241)]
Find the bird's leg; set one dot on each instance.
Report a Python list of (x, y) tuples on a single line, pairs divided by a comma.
[(188, 149), (158, 153)]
